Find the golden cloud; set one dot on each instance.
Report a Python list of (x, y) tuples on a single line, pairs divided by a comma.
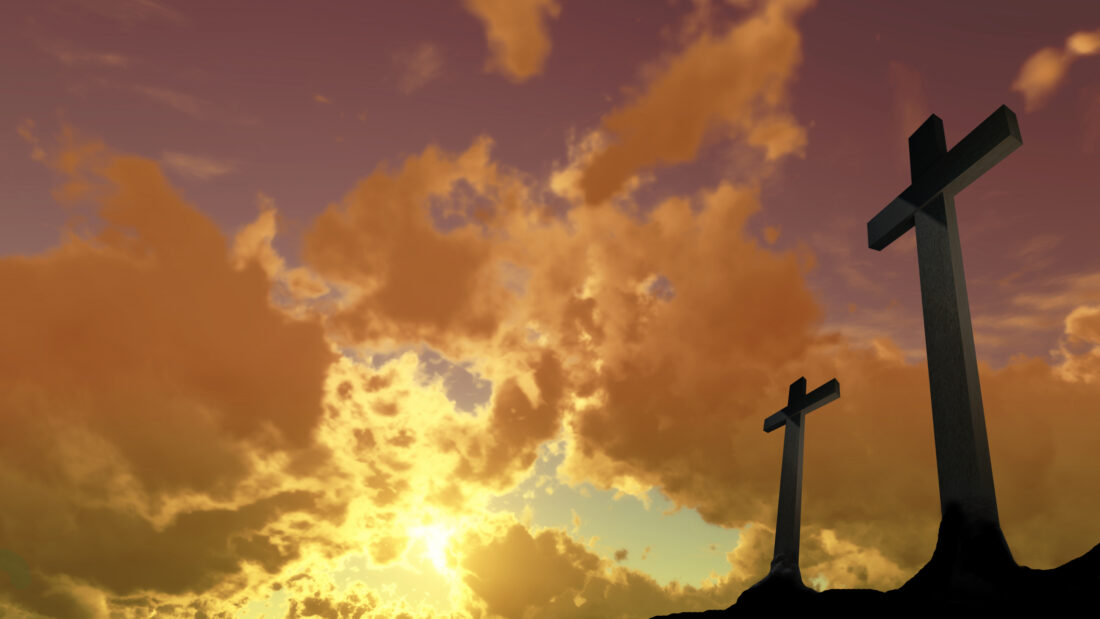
[(414, 282), (515, 572), (253, 244), (516, 31), (736, 83), (142, 377), (1045, 70), (181, 412), (671, 392)]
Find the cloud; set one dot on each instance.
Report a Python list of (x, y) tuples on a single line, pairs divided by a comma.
[(181, 102), (184, 410), (662, 388), (72, 56), (516, 32), (1080, 347), (196, 166), (26, 130), (413, 281), (1044, 71), (352, 604), (736, 83), (515, 572), (566, 180), (253, 244), (418, 66), (319, 98), (1061, 293), (1083, 324), (136, 426)]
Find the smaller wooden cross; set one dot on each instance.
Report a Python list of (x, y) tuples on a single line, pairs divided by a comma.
[(793, 416)]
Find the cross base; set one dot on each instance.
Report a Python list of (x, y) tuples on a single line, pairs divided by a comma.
[(781, 589), (971, 561)]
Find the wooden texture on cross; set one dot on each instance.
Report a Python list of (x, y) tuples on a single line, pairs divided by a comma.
[(962, 448), (793, 417)]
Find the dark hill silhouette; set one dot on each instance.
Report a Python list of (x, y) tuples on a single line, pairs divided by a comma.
[(970, 571)]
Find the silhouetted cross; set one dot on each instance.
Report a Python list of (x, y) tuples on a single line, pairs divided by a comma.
[(793, 416), (928, 204)]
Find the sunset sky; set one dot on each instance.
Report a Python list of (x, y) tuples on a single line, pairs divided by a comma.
[(475, 308)]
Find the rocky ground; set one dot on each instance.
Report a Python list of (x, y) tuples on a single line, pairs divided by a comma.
[(970, 572)]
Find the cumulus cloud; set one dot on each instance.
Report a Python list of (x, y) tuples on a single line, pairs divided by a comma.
[(516, 32), (513, 571), (253, 244), (1045, 70), (182, 411), (134, 423), (414, 281), (735, 83), (566, 180), (663, 388)]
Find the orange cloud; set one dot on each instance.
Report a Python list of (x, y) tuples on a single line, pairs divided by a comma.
[(414, 282), (668, 390), (516, 31), (671, 394), (253, 244), (1080, 348), (180, 410), (1045, 70), (736, 83), (143, 378)]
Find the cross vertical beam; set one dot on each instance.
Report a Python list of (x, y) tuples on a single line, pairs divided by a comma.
[(958, 418), (793, 417), (788, 521), (962, 448)]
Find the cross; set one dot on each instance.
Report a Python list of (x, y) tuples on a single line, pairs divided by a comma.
[(928, 204), (793, 416)]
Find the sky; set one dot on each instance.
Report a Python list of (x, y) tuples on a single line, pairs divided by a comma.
[(474, 308)]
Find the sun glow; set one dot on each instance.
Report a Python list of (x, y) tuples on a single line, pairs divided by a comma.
[(435, 541)]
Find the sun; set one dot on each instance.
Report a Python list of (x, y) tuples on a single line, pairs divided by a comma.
[(435, 539)]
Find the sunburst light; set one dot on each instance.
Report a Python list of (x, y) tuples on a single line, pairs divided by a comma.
[(435, 540)]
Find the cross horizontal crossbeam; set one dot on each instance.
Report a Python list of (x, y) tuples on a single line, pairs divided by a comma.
[(803, 404), (984, 147)]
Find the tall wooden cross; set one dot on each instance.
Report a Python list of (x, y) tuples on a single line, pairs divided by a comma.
[(928, 204), (793, 416)]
